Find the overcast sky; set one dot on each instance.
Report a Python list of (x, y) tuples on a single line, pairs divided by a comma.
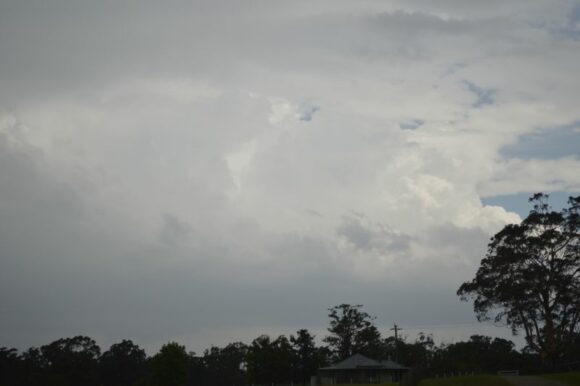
[(208, 171)]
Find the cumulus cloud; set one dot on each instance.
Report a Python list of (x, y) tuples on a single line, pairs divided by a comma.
[(250, 166)]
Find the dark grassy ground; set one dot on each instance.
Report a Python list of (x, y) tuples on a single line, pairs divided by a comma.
[(365, 384), (570, 379), (473, 380)]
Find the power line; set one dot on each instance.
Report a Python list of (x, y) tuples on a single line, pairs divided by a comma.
[(453, 325)]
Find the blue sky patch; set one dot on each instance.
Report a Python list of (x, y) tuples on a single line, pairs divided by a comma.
[(306, 115), (550, 143), (571, 28), (574, 18), (485, 96), (519, 204), (411, 124)]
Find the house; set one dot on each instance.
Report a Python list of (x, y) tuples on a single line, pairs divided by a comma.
[(360, 369)]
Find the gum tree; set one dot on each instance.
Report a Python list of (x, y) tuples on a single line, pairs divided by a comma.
[(530, 278)]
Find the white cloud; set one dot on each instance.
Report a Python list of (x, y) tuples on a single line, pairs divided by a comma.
[(265, 161)]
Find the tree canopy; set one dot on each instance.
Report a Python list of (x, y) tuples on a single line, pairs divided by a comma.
[(170, 365), (352, 331), (122, 364), (530, 278), (71, 361)]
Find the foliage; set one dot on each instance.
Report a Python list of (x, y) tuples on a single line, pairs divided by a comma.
[(477, 380), (71, 361), (572, 350), (9, 366), (374, 384), (530, 277), (478, 354), (170, 365), (270, 361), (307, 357), (33, 367), (571, 379), (122, 364), (418, 353), (352, 331), (224, 366)]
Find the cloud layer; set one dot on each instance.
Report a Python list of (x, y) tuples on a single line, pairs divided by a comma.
[(214, 170)]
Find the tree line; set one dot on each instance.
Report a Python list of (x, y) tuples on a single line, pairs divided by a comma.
[(265, 361)]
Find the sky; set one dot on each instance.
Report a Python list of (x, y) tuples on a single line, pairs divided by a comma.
[(209, 171)]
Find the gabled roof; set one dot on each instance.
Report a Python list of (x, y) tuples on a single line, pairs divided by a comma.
[(359, 361), (388, 364)]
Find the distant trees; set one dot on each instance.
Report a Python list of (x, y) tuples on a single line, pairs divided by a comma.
[(352, 331), (170, 365), (307, 357), (33, 367), (71, 361), (530, 278), (266, 361), (270, 361), (10, 366), (123, 364), (225, 366), (417, 353), (480, 354)]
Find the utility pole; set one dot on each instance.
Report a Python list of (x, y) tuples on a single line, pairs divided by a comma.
[(396, 329)]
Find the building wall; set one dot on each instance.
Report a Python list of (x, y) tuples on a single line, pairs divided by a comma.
[(356, 376)]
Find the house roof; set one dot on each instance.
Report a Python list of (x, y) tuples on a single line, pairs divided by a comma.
[(359, 361)]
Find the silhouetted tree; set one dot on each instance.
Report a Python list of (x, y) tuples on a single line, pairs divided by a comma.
[(480, 354), (123, 364), (197, 374), (308, 358), (10, 366), (225, 366), (571, 352), (170, 365), (418, 353), (34, 367), (71, 361), (352, 331), (530, 277), (270, 361)]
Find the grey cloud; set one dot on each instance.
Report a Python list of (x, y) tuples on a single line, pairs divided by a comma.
[(63, 274), (174, 230), (374, 237), (41, 58), (462, 240)]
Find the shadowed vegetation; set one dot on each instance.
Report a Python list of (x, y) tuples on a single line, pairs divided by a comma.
[(571, 379), (366, 384), (476, 380)]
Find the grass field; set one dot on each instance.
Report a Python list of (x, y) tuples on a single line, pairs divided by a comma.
[(475, 380), (571, 379), (365, 384)]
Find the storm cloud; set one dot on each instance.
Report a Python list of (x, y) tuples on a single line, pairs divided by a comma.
[(210, 171)]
